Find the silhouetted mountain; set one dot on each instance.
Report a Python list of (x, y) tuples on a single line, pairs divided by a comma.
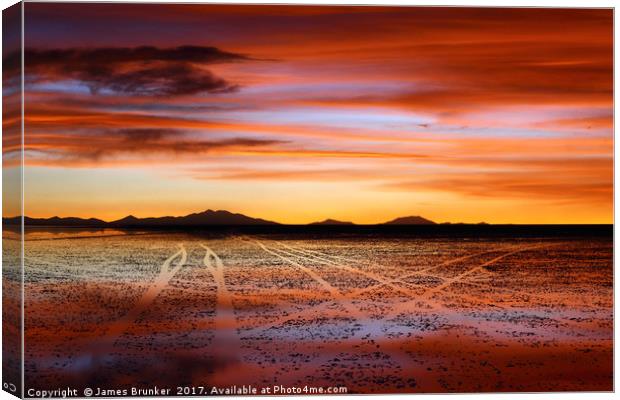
[(205, 218), (56, 221), (412, 220), (330, 221), (128, 220)]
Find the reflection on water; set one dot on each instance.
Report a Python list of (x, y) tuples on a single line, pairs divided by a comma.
[(374, 314), (48, 233)]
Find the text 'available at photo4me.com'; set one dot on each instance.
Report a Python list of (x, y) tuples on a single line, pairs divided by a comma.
[(243, 390)]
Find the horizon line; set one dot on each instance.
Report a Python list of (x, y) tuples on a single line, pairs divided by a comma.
[(317, 222)]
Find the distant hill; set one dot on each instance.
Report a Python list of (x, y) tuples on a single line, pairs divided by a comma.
[(332, 222), (412, 220), (206, 218), (56, 221)]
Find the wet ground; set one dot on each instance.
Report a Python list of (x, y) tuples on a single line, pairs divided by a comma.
[(369, 313)]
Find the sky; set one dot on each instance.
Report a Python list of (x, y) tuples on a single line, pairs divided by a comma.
[(297, 113)]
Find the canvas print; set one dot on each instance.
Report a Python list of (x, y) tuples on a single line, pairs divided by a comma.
[(234, 199)]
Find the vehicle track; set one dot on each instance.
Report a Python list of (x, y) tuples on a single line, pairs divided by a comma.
[(224, 297), (161, 281), (425, 297), (422, 273), (317, 278), (404, 290), (408, 292), (363, 334), (226, 336), (320, 253), (390, 282), (101, 348), (305, 312)]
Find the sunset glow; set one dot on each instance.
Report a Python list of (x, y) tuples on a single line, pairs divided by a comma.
[(298, 114)]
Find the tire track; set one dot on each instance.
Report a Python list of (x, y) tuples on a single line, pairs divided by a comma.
[(336, 294), (101, 348), (425, 297), (479, 268), (159, 284), (370, 275), (322, 305), (299, 313), (322, 254), (296, 257), (365, 333), (429, 292), (390, 282), (225, 333), (422, 273), (383, 282)]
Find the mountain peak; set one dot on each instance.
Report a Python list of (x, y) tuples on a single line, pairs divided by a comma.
[(410, 220), (330, 221), (129, 218)]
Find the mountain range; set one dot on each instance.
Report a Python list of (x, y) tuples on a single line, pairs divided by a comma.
[(205, 218)]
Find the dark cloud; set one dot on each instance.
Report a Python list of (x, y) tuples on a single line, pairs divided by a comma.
[(147, 135), (173, 140), (156, 140), (166, 80), (140, 71), (135, 144)]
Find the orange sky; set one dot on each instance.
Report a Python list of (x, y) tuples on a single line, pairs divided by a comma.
[(298, 114)]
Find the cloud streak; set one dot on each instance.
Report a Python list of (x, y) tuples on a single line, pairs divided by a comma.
[(136, 71), (595, 186), (478, 109), (121, 146)]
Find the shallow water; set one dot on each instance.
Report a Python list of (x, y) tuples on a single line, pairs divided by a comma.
[(374, 314)]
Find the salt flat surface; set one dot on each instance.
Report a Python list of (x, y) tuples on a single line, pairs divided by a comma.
[(371, 313)]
